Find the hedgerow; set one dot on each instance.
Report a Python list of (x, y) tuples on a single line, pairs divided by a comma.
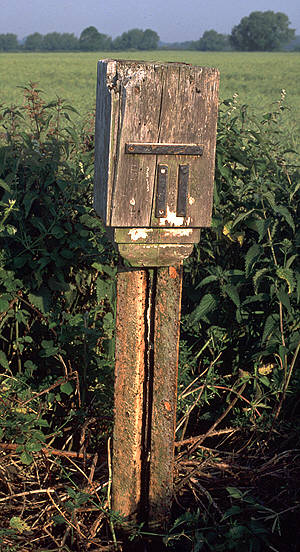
[(240, 326)]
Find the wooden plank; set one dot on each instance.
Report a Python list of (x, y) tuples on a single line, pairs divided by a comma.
[(102, 189), (163, 105), (156, 235), (139, 108), (189, 115)]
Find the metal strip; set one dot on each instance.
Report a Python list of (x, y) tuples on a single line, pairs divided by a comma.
[(183, 181), (161, 191), (163, 149)]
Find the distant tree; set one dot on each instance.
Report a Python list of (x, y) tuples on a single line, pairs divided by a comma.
[(187, 45), (213, 41), (91, 40), (68, 41), (33, 42), (51, 42), (293, 45), (8, 42), (262, 31), (130, 40), (150, 40), (136, 39)]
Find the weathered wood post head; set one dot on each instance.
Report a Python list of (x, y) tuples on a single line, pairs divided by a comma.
[(154, 157), (154, 168)]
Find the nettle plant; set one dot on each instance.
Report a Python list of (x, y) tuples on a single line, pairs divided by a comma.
[(242, 286), (240, 328), (56, 270)]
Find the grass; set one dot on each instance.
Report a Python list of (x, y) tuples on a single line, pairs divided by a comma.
[(257, 77)]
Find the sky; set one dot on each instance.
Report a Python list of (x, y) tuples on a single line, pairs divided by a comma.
[(173, 20)]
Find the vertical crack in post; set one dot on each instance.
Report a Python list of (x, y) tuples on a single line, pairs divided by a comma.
[(148, 390)]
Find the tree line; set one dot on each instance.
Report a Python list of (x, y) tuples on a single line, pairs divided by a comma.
[(260, 31), (90, 40)]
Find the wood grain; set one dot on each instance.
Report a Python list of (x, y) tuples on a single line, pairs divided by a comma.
[(139, 102)]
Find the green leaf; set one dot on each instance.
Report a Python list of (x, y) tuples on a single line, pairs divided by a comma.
[(67, 254), (5, 186), (58, 232), (58, 520), (284, 298), (49, 349), (41, 300), (260, 297), (56, 285), (290, 261), (207, 304), (33, 446), (91, 222), (298, 285), (252, 255), (234, 492), (3, 360), (270, 324), (207, 280), (241, 217), (233, 294), (28, 201), (287, 274), (284, 212), (26, 458), (66, 388), (263, 272), (258, 225), (103, 289), (4, 304), (19, 524), (270, 197)]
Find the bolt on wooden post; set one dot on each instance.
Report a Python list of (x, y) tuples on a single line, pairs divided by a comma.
[(154, 167)]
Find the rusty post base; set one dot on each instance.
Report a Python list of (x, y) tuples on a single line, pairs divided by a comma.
[(147, 343)]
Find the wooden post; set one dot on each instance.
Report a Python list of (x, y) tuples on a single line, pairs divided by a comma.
[(154, 167)]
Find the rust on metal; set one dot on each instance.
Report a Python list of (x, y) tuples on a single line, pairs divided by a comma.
[(163, 149), (129, 391)]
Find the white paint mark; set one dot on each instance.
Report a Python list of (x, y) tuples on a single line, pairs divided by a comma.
[(172, 219), (139, 233), (132, 201), (191, 200), (178, 233)]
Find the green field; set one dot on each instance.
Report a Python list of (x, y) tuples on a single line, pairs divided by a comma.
[(257, 77)]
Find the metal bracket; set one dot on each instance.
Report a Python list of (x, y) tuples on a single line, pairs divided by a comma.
[(163, 149), (161, 192), (182, 197)]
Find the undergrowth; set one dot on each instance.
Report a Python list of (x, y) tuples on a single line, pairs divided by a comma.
[(237, 435)]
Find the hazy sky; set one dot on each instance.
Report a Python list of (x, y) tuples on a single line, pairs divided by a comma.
[(173, 20)]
